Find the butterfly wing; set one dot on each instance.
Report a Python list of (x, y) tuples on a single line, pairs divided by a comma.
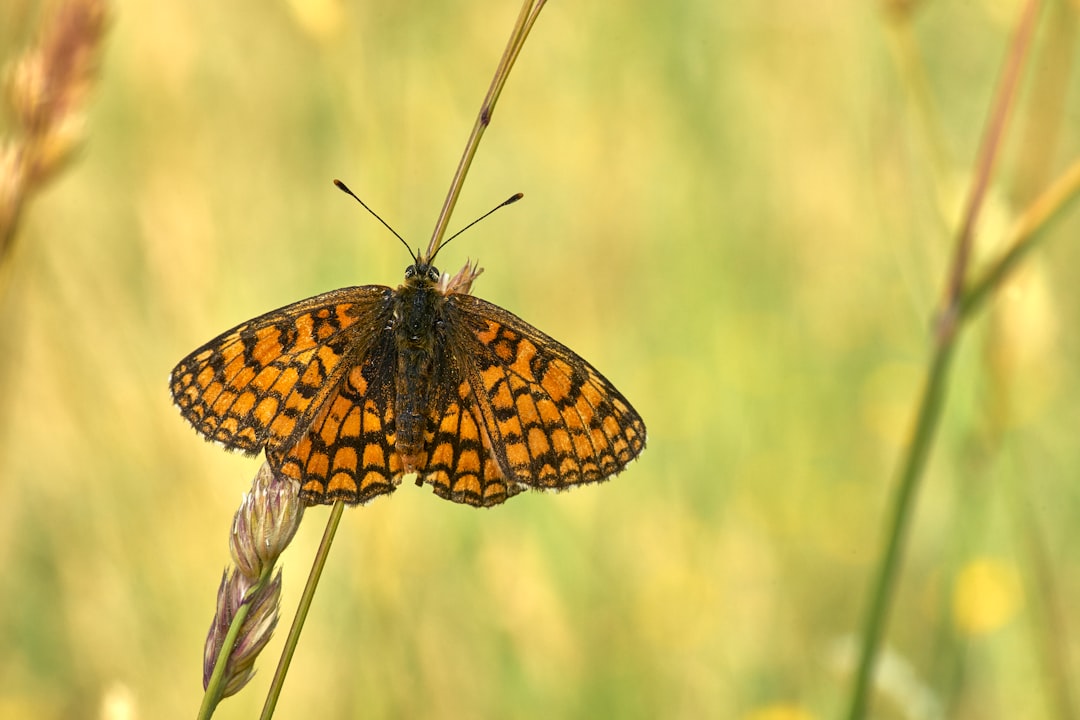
[(527, 411), (460, 465), (348, 453), (262, 383)]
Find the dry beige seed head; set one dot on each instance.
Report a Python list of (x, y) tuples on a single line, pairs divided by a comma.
[(265, 523), (462, 282), (26, 89), (67, 55), (255, 631), (55, 146), (47, 88), (12, 181)]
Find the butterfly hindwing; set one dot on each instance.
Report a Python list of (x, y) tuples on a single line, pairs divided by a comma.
[(460, 465), (543, 415), (348, 451)]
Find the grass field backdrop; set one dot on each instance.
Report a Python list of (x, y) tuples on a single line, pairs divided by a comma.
[(741, 213)]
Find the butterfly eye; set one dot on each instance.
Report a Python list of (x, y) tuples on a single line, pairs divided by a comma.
[(410, 271), (433, 274)]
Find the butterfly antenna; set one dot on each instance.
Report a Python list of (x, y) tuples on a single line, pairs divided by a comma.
[(508, 201), (345, 189)]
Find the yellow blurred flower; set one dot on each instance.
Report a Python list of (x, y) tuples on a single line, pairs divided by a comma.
[(780, 711), (320, 19), (986, 596)]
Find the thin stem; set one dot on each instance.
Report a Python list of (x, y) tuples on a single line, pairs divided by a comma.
[(930, 405), (934, 391), (525, 21), (1004, 101), (302, 610), (215, 686), (212, 695), (1026, 235)]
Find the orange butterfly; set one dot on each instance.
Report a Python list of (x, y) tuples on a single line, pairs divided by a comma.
[(352, 389)]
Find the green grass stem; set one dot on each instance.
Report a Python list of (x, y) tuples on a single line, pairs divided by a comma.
[(216, 685), (933, 397), (530, 9), (301, 611)]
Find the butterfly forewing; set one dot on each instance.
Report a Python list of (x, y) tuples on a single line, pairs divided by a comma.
[(259, 384)]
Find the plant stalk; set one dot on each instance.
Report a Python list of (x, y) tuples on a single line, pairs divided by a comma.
[(302, 611), (216, 685), (933, 397), (530, 9)]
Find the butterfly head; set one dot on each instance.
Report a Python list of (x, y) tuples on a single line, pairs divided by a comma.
[(421, 272)]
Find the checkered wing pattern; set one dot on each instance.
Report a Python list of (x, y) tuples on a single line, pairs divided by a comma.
[(266, 382), (522, 410), (348, 454)]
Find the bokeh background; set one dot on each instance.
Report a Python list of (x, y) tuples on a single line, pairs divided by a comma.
[(740, 212)]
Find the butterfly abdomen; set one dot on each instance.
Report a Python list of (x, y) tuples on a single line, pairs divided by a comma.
[(416, 311), (412, 405)]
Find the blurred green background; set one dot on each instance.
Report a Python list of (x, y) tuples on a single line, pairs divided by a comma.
[(734, 210)]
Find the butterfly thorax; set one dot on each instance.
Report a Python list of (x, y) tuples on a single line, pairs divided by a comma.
[(417, 312)]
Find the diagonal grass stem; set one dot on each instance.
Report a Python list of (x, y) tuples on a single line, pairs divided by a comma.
[(302, 610), (530, 9)]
